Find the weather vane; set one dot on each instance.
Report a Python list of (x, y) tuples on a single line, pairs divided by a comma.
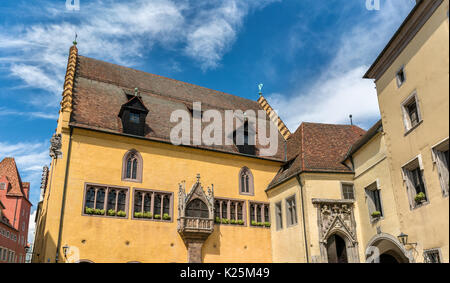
[(75, 41), (260, 86)]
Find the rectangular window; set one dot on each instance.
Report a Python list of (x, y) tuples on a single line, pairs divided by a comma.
[(291, 210), (440, 158), (411, 112), (259, 214), (227, 211), (2, 186), (348, 191), (279, 215), (401, 78), (415, 183), (106, 201), (156, 205), (134, 118), (373, 197), (432, 256)]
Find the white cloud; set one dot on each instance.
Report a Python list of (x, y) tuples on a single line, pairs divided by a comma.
[(32, 227), (30, 115), (120, 32), (339, 90)]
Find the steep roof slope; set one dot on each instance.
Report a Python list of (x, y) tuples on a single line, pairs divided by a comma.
[(318, 147), (100, 90), (8, 168)]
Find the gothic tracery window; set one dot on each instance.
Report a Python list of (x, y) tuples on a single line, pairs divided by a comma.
[(246, 182), (132, 166)]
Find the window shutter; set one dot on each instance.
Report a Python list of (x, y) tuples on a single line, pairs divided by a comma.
[(411, 191), (370, 202), (419, 158), (443, 171)]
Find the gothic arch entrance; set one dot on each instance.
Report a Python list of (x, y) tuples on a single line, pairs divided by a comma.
[(336, 249)]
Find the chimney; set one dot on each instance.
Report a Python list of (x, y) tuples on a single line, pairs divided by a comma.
[(26, 189)]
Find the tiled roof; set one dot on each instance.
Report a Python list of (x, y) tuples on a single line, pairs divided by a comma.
[(100, 90), (8, 168), (317, 147)]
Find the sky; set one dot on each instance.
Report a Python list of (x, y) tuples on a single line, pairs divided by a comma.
[(310, 55)]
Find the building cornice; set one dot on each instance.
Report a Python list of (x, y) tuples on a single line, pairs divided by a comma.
[(403, 36)]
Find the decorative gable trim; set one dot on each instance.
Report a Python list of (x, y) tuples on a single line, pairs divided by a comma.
[(66, 103)]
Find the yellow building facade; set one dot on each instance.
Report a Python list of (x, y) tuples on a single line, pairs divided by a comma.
[(331, 193)]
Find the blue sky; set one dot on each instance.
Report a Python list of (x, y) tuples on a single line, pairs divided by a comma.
[(309, 54)]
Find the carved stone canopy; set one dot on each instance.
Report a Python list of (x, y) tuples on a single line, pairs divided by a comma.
[(336, 216), (196, 217)]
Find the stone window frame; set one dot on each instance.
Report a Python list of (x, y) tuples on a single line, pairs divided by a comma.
[(140, 166), (437, 152), (278, 211), (428, 251), (263, 218), (290, 223), (105, 204), (376, 185), (152, 205), (228, 210), (342, 190), (413, 97), (251, 187), (406, 169), (397, 76)]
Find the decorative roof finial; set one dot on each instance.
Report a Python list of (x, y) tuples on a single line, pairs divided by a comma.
[(136, 91), (75, 41), (198, 178), (260, 86), (351, 119)]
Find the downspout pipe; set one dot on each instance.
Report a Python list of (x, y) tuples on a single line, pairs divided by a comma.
[(303, 217), (63, 205)]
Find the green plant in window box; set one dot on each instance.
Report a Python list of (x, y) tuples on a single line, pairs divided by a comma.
[(138, 215), (376, 214), (147, 215), (266, 224), (240, 222), (217, 220), (157, 216), (225, 221), (121, 213), (111, 212), (166, 216), (420, 197), (89, 210), (99, 211), (232, 221), (254, 223)]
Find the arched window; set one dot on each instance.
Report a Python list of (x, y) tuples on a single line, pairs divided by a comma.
[(197, 208), (246, 182), (132, 166)]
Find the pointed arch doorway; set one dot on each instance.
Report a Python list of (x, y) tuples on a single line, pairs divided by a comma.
[(336, 249)]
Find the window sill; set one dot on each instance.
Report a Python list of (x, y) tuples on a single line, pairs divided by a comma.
[(153, 220), (413, 128), (230, 224), (104, 216), (417, 206), (132, 180), (376, 220)]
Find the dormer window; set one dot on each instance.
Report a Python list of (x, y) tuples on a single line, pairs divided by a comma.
[(133, 115), (247, 147), (401, 78)]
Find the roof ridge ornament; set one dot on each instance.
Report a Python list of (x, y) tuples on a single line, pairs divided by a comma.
[(75, 40), (260, 86)]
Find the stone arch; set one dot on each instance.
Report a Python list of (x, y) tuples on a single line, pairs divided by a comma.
[(351, 245), (388, 245)]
